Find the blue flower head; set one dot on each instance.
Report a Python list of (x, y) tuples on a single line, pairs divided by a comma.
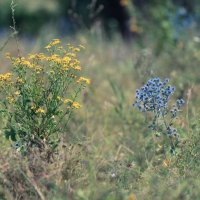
[(154, 96)]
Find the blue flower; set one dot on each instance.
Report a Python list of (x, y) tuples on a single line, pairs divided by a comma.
[(154, 96), (176, 107)]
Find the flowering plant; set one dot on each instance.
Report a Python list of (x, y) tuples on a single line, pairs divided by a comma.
[(154, 98), (40, 94)]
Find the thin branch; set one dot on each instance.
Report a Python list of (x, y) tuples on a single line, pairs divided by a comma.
[(15, 32)]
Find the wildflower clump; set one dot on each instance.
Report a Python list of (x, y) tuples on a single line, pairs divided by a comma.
[(154, 98), (40, 94)]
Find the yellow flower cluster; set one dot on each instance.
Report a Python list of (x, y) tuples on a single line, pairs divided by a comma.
[(5, 77), (65, 60), (83, 80), (17, 93), (59, 63), (40, 110), (10, 99), (67, 101), (74, 104), (53, 43), (22, 61), (19, 80), (38, 89), (39, 56)]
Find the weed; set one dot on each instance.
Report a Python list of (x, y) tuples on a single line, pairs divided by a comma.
[(40, 94)]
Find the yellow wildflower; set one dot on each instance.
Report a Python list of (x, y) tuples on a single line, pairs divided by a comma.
[(65, 67), (66, 59), (55, 42), (22, 61), (10, 99), (55, 58), (76, 62), (17, 93), (33, 107), (76, 105), (38, 69), (48, 46), (83, 80), (67, 101), (41, 56), (31, 56), (76, 49), (40, 110), (16, 61), (5, 77), (71, 55), (27, 63), (19, 80), (78, 68)]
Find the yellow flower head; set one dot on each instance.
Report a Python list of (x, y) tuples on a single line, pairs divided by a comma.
[(10, 99), (40, 110), (78, 68), (33, 107), (53, 43), (31, 56), (83, 80), (19, 80), (76, 105), (17, 93), (65, 67), (72, 55), (48, 47), (76, 49), (66, 60), (5, 77), (38, 69), (39, 56), (67, 101)]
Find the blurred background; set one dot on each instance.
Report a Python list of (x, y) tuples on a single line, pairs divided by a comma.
[(168, 20)]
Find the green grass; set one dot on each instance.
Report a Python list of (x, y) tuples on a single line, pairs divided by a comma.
[(108, 152)]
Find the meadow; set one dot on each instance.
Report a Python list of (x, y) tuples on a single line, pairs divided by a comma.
[(106, 151)]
